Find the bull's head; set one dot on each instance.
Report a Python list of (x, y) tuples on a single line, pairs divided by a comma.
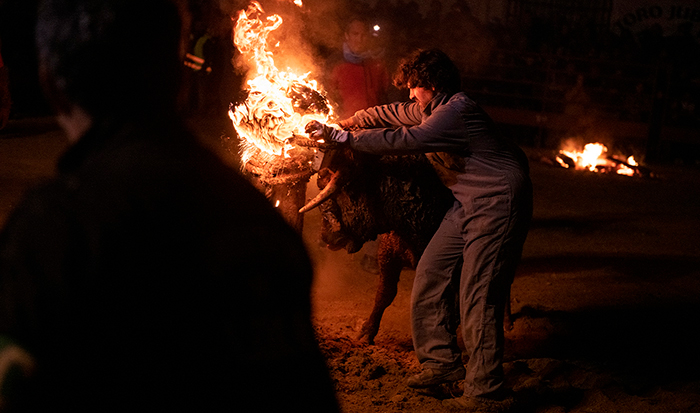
[(347, 200), (365, 195)]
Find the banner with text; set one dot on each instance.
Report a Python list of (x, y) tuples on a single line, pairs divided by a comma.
[(671, 16)]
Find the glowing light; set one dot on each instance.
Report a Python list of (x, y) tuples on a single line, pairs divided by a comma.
[(376, 27)]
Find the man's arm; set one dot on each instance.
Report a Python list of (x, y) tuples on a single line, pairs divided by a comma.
[(393, 115), (443, 131)]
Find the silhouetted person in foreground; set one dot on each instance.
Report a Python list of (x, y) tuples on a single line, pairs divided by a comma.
[(146, 275)]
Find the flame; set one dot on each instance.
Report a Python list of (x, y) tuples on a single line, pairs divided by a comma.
[(594, 158), (626, 170), (279, 104), (589, 158)]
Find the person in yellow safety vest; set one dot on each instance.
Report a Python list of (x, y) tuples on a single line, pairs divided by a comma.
[(200, 61), (195, 60)]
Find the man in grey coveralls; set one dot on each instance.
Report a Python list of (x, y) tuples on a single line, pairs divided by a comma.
[(465, 273)]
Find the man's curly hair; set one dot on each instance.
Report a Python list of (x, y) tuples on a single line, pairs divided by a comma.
[(429, 69)]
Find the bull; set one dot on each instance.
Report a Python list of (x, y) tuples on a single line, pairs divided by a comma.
[(398, 199)]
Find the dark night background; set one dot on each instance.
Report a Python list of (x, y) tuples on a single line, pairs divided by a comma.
[(606, 299), (641, 89)]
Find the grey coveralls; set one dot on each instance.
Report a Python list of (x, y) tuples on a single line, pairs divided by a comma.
[(465, 273)]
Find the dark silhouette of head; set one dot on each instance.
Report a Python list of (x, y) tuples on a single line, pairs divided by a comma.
[(429, 69), (110, 57)]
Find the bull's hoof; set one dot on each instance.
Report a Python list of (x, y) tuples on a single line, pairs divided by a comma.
[(507, 325), (366, 336)]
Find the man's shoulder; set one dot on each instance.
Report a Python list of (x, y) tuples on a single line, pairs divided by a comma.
[(344, 66), (43, 213), (334, 61), (460, 97), (461, 102)]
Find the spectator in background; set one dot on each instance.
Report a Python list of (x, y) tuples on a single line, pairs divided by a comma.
[(147, 275), (209, 62), (358, 81), (5, 100), (199, 59), (578, 108)]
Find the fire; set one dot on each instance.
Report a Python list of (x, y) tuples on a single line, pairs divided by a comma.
[(589, 158), (626, 170), (279, 104), (594, 158)]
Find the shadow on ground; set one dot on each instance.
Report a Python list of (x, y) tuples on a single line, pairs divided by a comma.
[(648, 340)]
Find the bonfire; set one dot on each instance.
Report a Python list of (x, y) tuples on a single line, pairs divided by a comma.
[(594, 157)]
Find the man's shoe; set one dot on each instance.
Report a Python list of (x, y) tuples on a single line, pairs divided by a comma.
[(481, 404), (432, 377)]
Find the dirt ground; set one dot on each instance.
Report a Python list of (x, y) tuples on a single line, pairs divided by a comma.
[(605, 302)]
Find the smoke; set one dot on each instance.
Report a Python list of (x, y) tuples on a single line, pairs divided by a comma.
[(298, 45), (311, 36)]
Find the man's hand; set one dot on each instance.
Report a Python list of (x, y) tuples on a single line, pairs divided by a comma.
[(318, 130)]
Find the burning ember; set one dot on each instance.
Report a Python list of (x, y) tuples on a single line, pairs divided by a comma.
[(594, 157), (279, 104)]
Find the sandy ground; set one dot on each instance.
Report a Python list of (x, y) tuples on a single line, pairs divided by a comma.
[(605, 301)]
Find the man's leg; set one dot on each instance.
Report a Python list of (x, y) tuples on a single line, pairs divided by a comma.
[(435, 314), (495, 236)]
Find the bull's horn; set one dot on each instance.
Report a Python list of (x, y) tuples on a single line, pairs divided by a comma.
[(324, 194)]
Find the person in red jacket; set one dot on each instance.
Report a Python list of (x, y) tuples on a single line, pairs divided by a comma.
[(358, 81)]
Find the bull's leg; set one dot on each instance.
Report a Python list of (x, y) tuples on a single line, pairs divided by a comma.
[(391, 259), (389, 274)]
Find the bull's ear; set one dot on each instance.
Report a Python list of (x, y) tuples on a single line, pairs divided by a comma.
[(324, 173), (324, 176)]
